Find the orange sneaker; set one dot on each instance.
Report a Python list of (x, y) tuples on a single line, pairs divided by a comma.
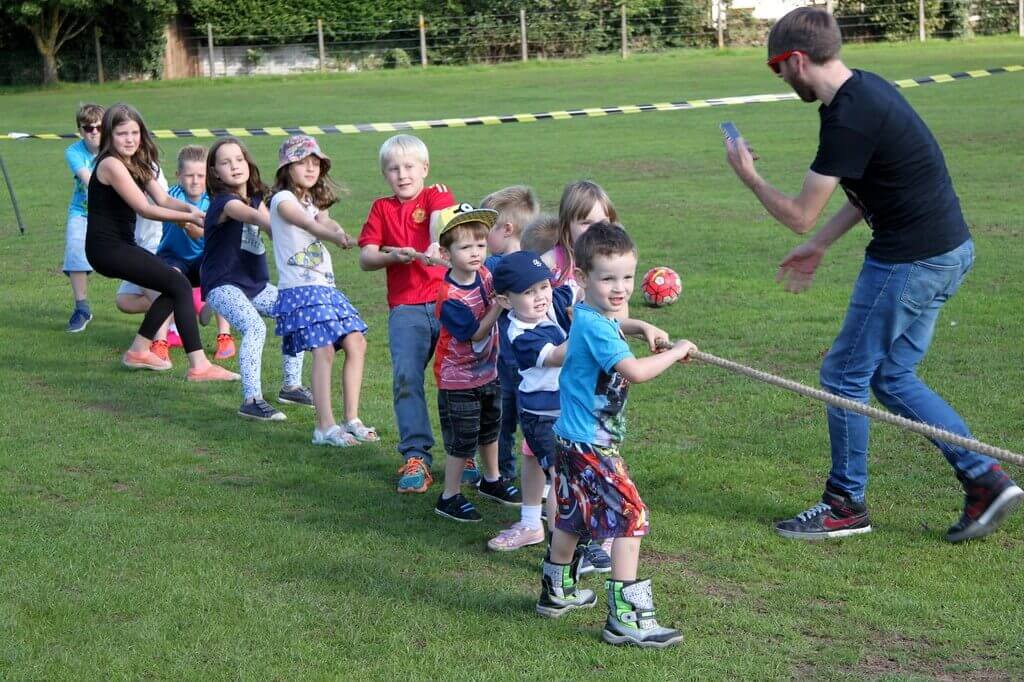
[(144, 360), (211, 373), (159, 348), (225, 347), (415, 476)]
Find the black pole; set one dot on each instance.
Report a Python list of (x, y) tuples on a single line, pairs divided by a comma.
[(14, 199)]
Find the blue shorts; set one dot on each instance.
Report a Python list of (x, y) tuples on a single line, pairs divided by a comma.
[(190, 270), (74, 245), (539, 432)]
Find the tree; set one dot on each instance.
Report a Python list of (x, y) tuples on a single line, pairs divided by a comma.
[(51, 23)]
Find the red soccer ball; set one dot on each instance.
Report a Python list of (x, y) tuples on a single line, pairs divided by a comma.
[(661, 286)]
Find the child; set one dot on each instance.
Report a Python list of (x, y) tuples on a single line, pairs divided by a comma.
[(132, 298), (125, 172), (594, 491), (516, 206), (311, 313), (583, 204), (234, 276), (402, 222), (80, 157), (181, 246), (541, 234), (468, 397), (536, 334)]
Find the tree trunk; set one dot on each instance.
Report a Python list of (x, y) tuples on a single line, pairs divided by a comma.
[(49, 67)]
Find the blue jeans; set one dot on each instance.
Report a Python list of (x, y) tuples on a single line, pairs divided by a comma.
[(509, 420), (412, 336), (888, 328)]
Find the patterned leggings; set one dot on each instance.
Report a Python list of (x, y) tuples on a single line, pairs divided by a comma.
[(244, 315)]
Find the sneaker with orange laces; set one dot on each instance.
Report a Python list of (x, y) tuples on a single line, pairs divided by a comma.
[(211, 372), (159, 348), (144, 360), (415, 476), (225, 347), (470, 472)]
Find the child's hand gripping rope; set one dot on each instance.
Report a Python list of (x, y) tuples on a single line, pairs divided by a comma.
[(407, 255)]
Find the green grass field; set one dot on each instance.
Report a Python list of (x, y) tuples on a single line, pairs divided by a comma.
[(146, 531)]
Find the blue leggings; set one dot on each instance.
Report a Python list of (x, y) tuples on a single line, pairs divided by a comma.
[(245, 316)]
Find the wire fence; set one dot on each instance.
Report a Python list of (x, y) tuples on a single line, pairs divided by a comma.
[(209, 51)]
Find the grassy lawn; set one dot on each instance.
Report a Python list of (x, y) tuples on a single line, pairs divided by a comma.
[(149, 532)]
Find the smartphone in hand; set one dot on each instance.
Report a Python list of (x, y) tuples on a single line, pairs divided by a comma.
[(732, 133)]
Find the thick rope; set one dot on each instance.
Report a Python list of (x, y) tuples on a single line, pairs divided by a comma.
[(860, 408)]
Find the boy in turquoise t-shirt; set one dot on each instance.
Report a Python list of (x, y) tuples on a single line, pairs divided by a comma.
[(594, 491), (80, 158)]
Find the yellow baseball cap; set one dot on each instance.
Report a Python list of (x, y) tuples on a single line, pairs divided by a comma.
[(460, 214)]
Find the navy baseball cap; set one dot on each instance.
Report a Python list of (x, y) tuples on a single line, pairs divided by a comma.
[(519, 271)]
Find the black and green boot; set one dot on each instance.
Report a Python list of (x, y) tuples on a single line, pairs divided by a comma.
[(631, 617), (558, 591)]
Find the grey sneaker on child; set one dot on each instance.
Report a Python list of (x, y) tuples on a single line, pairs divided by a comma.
[(295, 395), (631, 617), (559, 593), (260, 410)]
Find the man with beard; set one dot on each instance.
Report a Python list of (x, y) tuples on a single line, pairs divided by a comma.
[(878, 149)]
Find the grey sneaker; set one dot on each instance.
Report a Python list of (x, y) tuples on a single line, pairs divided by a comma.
[(559, 593), (296, 395), (260, 410), (631, 617)]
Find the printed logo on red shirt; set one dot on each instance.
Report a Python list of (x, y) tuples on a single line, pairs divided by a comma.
[(419, 215)]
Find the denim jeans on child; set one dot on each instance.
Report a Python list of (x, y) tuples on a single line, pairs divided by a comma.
[(888, 327), (412, 336), (509, 420)]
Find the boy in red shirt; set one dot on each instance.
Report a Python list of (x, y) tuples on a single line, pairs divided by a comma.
[(402, 222)]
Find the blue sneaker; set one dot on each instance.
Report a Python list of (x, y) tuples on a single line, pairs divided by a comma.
[(595, 559), (470, 473), (415, 477), (80, 319)]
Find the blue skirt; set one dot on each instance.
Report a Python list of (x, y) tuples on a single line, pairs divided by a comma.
[(314, 317)]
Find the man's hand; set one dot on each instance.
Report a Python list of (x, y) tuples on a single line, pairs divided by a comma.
[(742, 161), (797, 268)]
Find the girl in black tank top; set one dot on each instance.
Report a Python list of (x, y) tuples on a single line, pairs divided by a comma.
[(124, 174)]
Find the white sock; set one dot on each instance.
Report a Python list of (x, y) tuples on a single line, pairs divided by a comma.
[(529, 515)]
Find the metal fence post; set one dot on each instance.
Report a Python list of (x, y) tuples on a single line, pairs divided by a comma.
[(721, 23), (524, 53), (209, 46), (830, 6), (320, 43), (1020, 18), (99, 54), (423, 42), (14, 199), (920, 20), (625, 32)]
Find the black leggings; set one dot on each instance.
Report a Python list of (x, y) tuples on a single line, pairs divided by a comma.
[(138, 266)]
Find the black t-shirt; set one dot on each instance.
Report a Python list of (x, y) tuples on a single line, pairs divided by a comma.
[(233, 252), (890, 167)]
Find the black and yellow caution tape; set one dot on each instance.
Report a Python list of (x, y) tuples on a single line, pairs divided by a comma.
[(593, 112)]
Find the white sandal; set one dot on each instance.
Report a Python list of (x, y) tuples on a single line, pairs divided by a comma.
[(336, 436), (361, 432)]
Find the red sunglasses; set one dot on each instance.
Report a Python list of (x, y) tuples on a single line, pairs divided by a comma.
[(775, 61)]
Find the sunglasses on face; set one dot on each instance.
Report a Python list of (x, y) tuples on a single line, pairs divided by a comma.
[(91, 128), (775, 62)]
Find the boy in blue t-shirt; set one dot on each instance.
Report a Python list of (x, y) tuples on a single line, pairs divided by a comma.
[(594, 491), (181, 246), (80, 158)]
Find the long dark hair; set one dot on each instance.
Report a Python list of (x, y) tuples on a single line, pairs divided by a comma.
[(214, 185), (143, 164), (324, 193)]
